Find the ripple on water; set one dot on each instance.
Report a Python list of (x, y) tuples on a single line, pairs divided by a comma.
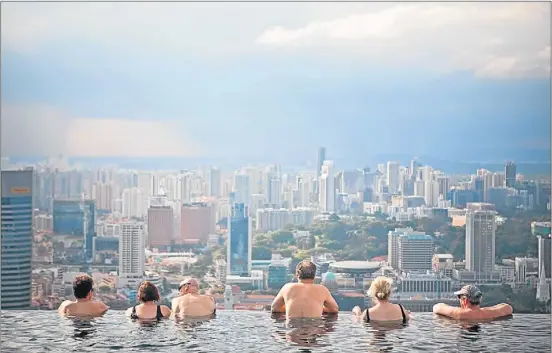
[(45, 331)]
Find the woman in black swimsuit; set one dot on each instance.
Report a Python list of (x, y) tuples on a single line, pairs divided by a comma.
[(148, 295), (383, 310)]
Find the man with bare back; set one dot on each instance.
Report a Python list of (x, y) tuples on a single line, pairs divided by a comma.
[(304, 299)]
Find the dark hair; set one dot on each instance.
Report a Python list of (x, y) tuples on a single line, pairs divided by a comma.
[(147, 292), (306, 270), (82, 285)]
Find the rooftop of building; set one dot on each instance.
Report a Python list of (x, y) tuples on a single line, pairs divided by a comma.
[(415, 236), (444, 256), (357, 265)]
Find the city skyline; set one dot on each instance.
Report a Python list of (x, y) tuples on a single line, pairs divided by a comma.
[(304, 74)]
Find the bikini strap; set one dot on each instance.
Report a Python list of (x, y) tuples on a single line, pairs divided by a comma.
[(159, 312), (403, 314), (134, 309), (367, 314)]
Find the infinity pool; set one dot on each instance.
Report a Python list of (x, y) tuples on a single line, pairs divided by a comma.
[(248, 331)]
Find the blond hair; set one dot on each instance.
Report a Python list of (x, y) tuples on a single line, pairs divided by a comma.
[(380, 288)]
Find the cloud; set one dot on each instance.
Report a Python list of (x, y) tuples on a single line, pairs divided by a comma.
[(491, 39), (37, 130)]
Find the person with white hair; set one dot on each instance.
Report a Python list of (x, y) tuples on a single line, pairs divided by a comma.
[(192, 304), (383, 310)]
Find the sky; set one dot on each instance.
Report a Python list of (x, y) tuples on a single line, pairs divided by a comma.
[(274, 81)]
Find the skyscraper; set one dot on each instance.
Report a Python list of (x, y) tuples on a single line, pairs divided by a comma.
[(239, 241), (480, 240), (131, 254), (242, 187), (326, 196), (321, 159), (414, 250), (132, 203), (545, 254), (17, 239), (393, 177), (274, 192), (215, 182), (160, 226), (76, 218), (197, 222), (510, 174)]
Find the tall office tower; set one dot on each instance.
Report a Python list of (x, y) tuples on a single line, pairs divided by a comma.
[(487, 185), (214, 185), (510, 174), (305, 191), (498, 180), (170, 185), (184, 187), (419, 188), (239, 241), (480, 239), (426, 173), (145, 184), (242, 188), (545, 254), (256, 178), (393, 177), (17, 239), (76, 218), (132, 203), (413, 171), (274, 192), (288, 199), (444, 185), (160, 226), (415, 252), (131, 254), (321, 159), (90, 229), (197, 221), (431, 193), (326, 196), (104, 194)]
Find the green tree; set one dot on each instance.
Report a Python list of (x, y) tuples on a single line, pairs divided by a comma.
[(261, 253)]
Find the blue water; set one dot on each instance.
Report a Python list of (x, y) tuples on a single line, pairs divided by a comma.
[(249, 331)]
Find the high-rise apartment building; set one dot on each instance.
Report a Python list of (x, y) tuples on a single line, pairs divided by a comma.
[(160, 226), (239, 241), (510, 174), (215, 183), (326, 195), (321, 159), (431, 192), (274, 192), (480, 239), (197, 221), (132, 203), (131, 254), (16, 239), (104, 194), (242, 188), (415, 252)]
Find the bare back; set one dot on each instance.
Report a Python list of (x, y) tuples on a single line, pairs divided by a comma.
[(87, 308), (194, 305), (387, 312), (306, 300)]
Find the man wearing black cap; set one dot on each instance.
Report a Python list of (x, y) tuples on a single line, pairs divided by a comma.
[(470, 301)]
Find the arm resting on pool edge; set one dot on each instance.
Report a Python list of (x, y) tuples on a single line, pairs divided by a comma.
[(278, 305), (330, 305), (447, 310)]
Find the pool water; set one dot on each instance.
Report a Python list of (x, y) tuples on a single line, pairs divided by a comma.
[(250, 331)]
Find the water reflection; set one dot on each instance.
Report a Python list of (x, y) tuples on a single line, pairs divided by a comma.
[(83, 327), (306, 333), (379, 332)]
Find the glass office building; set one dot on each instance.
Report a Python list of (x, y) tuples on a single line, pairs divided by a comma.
[(239, 243), (17, 239)]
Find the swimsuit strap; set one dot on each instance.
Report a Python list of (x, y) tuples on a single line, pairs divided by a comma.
[(133, 315), (403, 314), (367, 314), (159, 315)]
